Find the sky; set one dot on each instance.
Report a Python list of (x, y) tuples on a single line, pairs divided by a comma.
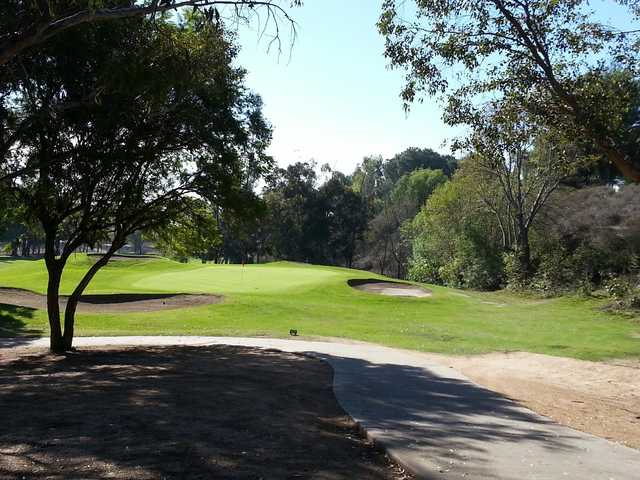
[(333, 98)]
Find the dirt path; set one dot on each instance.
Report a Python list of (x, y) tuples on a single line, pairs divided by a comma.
[(114, 303), (178, 413), (393, 289), (598, 398)]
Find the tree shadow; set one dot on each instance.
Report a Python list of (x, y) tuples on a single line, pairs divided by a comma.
[(177, 412), (459, 427), (237, 412), (13, 324), (10, 259)]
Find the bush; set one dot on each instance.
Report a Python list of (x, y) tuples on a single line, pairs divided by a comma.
[(451, 274), (423, 270), (618, 288), (513, 273)]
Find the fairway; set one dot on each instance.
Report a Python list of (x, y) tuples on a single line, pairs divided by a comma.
[(271, 299)]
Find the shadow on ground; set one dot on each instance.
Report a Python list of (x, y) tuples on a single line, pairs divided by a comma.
[(13, 324), (448, 420), (10, 259), (178, 412)]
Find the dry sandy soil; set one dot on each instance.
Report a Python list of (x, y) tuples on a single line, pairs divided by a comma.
[(601, 398), (120, 302), (178, 412), (394, 289)]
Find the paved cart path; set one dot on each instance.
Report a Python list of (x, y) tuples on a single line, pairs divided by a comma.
[(432, 419)]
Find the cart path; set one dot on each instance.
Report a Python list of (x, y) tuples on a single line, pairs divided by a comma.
[(432, 419)]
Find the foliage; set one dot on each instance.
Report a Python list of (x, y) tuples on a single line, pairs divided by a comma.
[(413, 159), (455, 241), (593, 231), (527, 164), (617, 287), (625, 293), (375, 178), (413, 189), (311, 223), (549, 57), (398, 188), (193, 232), (346, 216), (30, 23)]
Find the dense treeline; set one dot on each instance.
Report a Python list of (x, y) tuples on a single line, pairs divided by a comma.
[(348, 220)]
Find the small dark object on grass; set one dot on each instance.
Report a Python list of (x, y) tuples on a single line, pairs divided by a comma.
[(293, 333)]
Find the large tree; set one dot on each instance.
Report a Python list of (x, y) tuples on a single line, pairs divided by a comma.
[(28, 25), (518, 165), (192, 233), (169, 119), (551, 56), (296, 214), (346, 215), (25, 24), (387, 248)]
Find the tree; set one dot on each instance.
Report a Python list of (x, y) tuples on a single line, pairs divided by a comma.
[(586, 234), (368, 179), (547, 56), (194, 232), (171, 120), (527, 163), (413, 189), (417, 159), (26, 25), (29, 23), (346, 215), (455, 240), (387, 246), (297, 215)]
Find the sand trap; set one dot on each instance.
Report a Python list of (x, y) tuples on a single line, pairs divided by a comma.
[(393, 289), (119, 302)]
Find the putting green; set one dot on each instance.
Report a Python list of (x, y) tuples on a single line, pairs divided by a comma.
[(225, 279)]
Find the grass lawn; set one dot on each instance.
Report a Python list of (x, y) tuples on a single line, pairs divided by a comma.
[(268, 300)]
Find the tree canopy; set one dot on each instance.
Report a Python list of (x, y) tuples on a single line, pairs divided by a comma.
[(28, 23), (564, 67)]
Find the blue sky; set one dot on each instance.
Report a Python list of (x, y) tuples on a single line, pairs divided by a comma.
[(334, 100)]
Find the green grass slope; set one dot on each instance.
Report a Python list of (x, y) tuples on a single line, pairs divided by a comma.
[(271, 299)]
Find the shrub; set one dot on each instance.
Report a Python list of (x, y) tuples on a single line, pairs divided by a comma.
[(423, 270), (513, 273), (618, 288)]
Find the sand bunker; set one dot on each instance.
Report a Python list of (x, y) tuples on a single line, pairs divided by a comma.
[(394, 289), (119, 302)]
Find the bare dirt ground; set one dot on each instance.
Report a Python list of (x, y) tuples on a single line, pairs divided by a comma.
[(601, 398), (394, 289), (178, 412), (120, 302)]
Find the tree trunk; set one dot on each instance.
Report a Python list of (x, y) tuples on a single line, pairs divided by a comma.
[(54, 269), (72, 302), (523, 253), (624, 163)]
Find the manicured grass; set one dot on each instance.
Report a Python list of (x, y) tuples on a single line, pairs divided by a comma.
[(271, 299)]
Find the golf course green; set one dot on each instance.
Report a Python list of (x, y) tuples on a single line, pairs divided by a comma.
[(271, 299)]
